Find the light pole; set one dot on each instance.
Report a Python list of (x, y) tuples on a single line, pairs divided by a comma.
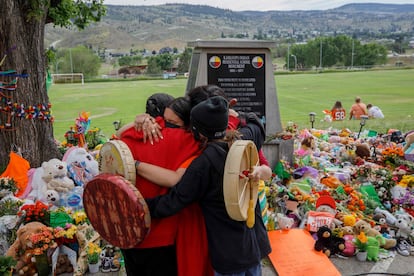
[(312, 116), (288, 58), (352, 55), (320, 54), (57, 64), (363, 120), (296, 62)]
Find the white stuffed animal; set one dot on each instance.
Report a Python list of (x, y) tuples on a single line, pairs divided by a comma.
[(82, 167), (405, 224), (52, 175), (52, 197)]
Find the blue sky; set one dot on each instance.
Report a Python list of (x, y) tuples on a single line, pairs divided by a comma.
[(260, 5)]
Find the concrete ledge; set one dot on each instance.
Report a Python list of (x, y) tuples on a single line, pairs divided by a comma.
[(278, 149)]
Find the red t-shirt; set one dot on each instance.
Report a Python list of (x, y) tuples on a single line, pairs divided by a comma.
[(176, 147)]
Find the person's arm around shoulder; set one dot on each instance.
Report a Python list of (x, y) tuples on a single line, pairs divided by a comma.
[(159, 175)]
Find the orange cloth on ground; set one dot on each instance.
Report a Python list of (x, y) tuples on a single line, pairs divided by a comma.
[(17, 169), (293, 254), (191, 243)]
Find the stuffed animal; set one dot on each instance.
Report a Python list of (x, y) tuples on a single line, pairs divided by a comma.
[(326, 203), (327, 242), (20, 249), (362, 150), (323, 215), (52, 197), (63, 265), (405, 224), (348, 236), (56, 176), (82, 166), (373, 248), (52, 175), (381, 224), (364, 226), (284, 222)]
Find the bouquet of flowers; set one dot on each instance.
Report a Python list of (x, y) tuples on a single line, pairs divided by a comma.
[(65, 235), (43, 241), (7, 186), (93, 252), (390, 155), (35, 212)]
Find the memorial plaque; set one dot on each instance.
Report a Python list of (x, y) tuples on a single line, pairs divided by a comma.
[(242, 76), (243, 68)]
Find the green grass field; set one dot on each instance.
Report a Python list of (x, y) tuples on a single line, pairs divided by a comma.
[(298, 94)]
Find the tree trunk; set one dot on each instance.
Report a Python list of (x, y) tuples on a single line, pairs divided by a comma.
[(22, 40)]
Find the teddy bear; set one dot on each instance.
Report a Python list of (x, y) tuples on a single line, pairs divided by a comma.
[(405, 225), (52, 198), (56, 176), (327, 242), (284, 222), (63, 265), (20, 249), (81, 165), (348, 236), (363, 226), (381, 224), (52, 175)]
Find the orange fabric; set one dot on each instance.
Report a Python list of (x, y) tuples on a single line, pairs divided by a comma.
[(191, 243), (17, 169), (338, 114), (293, 254), (187, 162)]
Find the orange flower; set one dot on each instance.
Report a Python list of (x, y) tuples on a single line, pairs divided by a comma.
[(362, 237)]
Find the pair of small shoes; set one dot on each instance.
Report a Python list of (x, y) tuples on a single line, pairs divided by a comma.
[(106, 264), (403, 248)]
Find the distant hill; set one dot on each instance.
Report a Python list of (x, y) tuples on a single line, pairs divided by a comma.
[(174, 25)]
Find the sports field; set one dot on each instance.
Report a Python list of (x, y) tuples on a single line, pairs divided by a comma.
[(298, 94)]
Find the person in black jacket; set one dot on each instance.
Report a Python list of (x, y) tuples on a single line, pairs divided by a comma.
[(234, 248)]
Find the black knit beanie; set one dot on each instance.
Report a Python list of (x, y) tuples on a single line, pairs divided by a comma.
[(156, 104), (211, 117)]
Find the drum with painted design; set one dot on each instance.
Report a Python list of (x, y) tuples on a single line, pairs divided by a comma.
[(116, 210), (116, 158)]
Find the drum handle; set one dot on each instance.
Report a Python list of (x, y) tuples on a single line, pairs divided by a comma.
[(250, 210)]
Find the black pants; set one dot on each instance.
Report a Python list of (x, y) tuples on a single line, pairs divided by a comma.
[(158, 261)]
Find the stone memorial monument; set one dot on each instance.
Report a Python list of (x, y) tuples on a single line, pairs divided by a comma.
[(244, 69)]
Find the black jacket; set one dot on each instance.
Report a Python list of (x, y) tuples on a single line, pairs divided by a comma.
[(233, 246)]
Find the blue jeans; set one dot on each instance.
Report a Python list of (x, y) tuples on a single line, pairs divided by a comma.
[(253, 271)]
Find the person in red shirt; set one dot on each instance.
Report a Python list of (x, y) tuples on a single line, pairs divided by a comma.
[(156, 254), (338, 113)]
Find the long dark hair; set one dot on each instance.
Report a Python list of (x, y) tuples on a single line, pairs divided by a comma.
[(203, 92), (182, 108)]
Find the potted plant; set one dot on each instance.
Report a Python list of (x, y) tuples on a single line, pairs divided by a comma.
[(42, 242), (7, 186), (361, 242), (93, 254), (6, 265)]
